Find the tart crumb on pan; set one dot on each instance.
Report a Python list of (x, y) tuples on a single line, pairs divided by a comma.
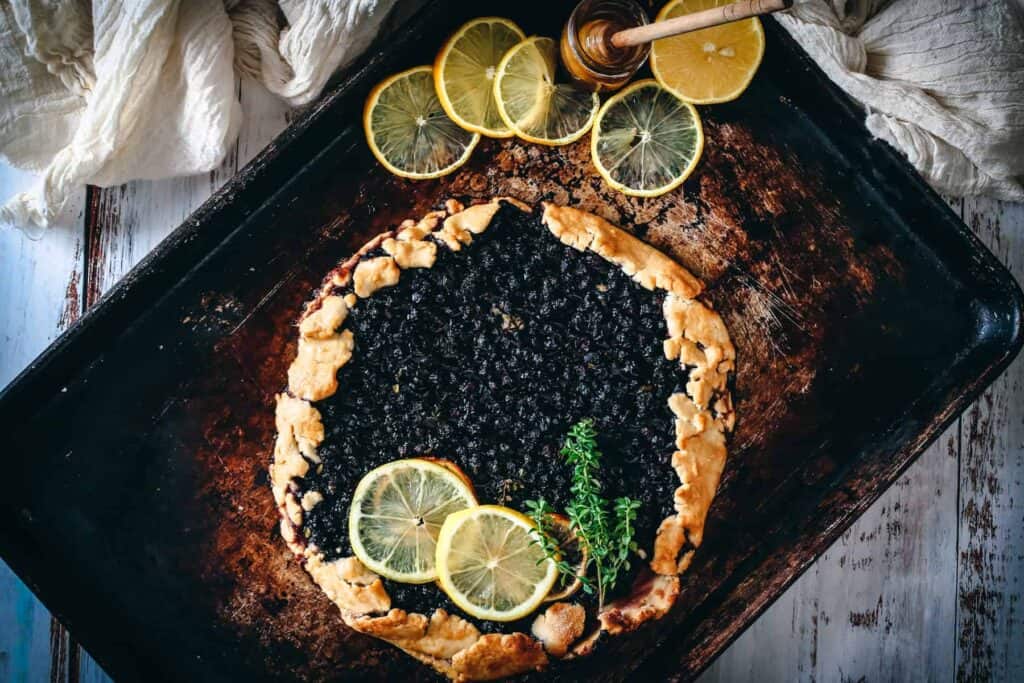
[(702, 414), (559, 627)]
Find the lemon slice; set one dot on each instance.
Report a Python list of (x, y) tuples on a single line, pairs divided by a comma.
[(530, 102), (397, 512), (711, 65), (489, 565), (409, 132), (646, 141), (464, 73), (572, 551)]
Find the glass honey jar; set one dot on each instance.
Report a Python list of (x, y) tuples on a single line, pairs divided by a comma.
[(587, 51)]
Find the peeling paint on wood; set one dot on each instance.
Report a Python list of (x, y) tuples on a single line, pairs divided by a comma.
[(64, 655), (40, 296), (990, 547)]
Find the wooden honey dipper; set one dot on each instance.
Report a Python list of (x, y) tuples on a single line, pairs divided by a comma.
[(715, 16)]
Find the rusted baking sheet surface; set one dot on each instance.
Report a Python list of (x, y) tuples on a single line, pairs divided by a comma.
[(864, 318), (780, 263)]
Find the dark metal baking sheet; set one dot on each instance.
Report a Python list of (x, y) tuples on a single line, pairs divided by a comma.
[(865, 314)]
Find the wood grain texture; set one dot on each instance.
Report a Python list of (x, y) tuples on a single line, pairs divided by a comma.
[(40, 296), (990, 534), (40, 284), (879, 605)]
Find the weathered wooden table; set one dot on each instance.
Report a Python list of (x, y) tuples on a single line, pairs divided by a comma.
[(927, 585)]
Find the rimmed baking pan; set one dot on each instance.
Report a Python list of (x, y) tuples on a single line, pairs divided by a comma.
[(866, 317)]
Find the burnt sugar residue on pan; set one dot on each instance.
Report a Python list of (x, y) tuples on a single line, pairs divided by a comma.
[(782, 291)]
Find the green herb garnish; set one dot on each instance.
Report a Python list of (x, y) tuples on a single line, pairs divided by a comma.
[(604, 529)]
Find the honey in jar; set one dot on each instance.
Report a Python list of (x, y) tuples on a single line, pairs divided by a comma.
[(587, 51)]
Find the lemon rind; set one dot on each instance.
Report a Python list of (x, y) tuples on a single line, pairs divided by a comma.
[(444, 539), (442, 93), (625, 189), (357, 546)]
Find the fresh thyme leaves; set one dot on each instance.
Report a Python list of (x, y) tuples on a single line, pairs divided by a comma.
[(542, 515), (604, 529)]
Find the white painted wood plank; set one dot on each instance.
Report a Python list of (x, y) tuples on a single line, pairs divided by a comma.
[(24, 632), (879, 604), (40, 283), (990, 616), (40, 295), (91, 672)]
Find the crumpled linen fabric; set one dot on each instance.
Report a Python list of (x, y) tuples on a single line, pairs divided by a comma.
[(940, 80), (105, 91)]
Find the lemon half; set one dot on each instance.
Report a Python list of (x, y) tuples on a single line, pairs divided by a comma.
[(711, 65)]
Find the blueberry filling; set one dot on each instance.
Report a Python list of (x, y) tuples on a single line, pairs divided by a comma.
[(487, 359)]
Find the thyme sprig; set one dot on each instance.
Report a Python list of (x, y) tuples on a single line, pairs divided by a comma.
[(604, 529), (541, 514)]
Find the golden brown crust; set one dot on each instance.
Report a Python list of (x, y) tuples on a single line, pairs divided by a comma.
[(440, 637), (313, 373), (498, 655), (397, 624), (645, 264), (417, 230), (446, 636), (355, 596), (373, 274), (460, 227), (299, 432), (697, 339), (324, 321), (411, 253), (699, 466), (650, 600), (559, 627), (432, 642), (310, 499)]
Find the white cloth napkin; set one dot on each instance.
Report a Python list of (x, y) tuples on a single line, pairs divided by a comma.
[(942, 81), (108, 91)]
